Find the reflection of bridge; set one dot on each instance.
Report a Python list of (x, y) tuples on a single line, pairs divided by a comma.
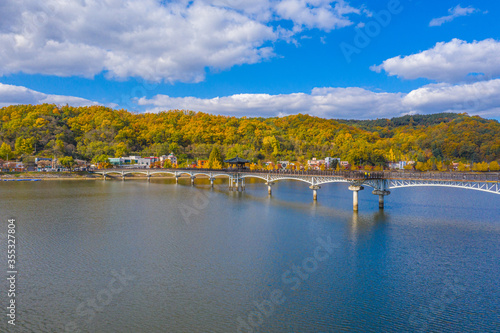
[(381, 182)]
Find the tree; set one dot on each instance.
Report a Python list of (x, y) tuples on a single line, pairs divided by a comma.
[(217, 165), (100, 159), (24, 146), (462, 167), (67, 162), (6, 151), (494, 166), (215, 161), (167, 164), (481, 167)]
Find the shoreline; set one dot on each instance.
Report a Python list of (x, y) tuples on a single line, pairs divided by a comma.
[(51, 177)]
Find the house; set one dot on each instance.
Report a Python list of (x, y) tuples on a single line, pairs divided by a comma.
[(202, 164), (43, 164), (398, 165), (81, 165), (172, 158), (315, 164), (345, 164), (283, 164), (12, 167)]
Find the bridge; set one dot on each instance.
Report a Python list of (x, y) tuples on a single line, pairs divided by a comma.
[(380, 182)]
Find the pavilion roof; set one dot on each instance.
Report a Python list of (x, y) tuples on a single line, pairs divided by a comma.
[(236, 160)]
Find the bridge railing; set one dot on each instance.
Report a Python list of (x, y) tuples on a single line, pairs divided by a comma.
[(351, 175), (452, 176)]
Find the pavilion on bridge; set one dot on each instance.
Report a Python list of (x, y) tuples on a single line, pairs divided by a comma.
[(237, 162)]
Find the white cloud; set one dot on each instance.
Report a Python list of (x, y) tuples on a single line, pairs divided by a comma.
[(455, 12), (480, 98), (11, 95), (455, 61), (169, 41), (325, 102)]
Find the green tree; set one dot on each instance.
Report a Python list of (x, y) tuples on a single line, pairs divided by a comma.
[(167, 164), (67, 162), (215, 161)]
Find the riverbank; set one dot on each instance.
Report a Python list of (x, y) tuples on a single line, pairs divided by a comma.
[(71, 176)]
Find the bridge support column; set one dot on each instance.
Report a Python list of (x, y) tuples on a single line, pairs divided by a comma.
[(269, 188), (104, 176), (355, 189), (149, 177), (177, 179), (315, 189), (212, 181), (242, 184), (192, 180), (381, 194), (123, 177)]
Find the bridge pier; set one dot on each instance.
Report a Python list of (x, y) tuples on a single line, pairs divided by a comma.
[(192, 180), (269, 188), (177, 179), (315, 189), (149, 177), (212, 181), (381, 194), (355, 189), (242, 184)]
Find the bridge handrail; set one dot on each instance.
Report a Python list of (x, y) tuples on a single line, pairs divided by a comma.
[(351, 175)]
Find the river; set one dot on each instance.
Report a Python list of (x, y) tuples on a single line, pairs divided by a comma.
[(133, 256)]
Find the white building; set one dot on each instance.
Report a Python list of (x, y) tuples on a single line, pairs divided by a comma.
[(284, 164)]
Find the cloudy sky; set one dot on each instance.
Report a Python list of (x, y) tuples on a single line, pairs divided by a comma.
[(334, 59)]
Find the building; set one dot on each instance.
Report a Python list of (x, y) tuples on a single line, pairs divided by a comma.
[(399, 165), (315, 164), (345, 164), (134, 161), (202, 164), (12, 167), (172, 158), (283, 164)]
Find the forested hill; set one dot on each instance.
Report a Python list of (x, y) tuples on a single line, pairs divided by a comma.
[(381, 125), (93, 133)]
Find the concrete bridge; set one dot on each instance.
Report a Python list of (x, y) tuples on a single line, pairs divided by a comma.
[(380, 182)]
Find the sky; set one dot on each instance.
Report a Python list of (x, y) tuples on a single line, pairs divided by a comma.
[(348, 59)]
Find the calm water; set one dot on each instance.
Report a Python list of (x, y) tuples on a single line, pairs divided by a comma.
[(192, 259)]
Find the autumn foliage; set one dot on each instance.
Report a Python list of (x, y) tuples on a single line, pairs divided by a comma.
[(94, 133)]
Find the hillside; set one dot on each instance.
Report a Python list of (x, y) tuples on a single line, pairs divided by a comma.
[(93, 133)]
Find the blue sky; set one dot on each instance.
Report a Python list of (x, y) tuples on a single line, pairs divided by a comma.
[(334, 59)]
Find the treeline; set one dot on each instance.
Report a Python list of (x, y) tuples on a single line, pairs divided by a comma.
[(95, 133)]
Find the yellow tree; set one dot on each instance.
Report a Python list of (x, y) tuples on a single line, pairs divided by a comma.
[(494, 166), (6, 151)]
